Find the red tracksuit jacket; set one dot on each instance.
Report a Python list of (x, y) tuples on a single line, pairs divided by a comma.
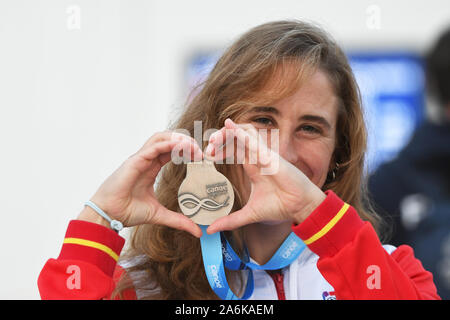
[(350, 258)]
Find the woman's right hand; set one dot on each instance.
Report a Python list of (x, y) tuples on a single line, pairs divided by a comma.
[(128, 194)]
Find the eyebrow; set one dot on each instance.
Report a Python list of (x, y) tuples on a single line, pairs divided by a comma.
[(265, 109), (308, 117)]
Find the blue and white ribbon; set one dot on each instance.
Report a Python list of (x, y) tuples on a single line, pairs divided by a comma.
[(216, 250), (213, 262)]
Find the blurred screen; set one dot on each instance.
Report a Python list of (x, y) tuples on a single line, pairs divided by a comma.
[(392, 89)]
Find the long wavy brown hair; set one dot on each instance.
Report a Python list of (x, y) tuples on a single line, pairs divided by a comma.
[(164, 263)]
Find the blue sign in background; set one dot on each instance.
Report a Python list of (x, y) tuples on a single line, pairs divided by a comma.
[(392, 87)]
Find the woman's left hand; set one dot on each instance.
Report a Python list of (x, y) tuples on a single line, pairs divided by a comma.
[(279, 190)]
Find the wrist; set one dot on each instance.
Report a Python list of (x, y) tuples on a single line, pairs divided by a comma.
[(314, 199), (88, 214)]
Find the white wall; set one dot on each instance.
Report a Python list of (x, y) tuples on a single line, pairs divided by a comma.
[(76, 102)]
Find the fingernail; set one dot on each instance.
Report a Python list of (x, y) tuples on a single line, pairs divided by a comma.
[(230, 123), (209, 149)]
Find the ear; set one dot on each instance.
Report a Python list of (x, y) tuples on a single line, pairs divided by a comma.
[(333, 161)]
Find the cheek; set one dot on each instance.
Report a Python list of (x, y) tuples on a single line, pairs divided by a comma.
[(315, 162)]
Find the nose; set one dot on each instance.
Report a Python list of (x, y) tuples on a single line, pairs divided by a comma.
[(287, 148)]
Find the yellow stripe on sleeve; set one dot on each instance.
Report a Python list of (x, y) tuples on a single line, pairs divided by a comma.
[(328, 226), (93, 244)]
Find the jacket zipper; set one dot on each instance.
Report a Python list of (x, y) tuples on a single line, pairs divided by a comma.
[(278, 280)]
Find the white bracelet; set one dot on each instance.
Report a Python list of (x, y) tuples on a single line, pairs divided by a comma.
[(115, 224)]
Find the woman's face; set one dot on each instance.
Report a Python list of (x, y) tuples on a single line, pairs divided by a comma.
[(307, 126)]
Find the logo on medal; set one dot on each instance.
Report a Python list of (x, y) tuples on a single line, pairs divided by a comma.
[(205, 188), (216, 189), (192, 204)]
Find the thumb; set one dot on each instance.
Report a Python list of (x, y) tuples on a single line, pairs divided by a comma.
[(176, 220), (232, 221)]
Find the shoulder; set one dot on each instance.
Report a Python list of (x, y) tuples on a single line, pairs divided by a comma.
[(309, 257)]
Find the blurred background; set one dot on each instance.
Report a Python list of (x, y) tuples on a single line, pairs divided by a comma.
[(83, 84)]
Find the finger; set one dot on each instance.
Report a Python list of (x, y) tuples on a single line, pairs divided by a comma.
[(162, 152), (248, 127), (164, 158), (157, 149), (189, 152), (167, 136), (157, 137), (249, 145), (246, 145), (182, 142), (144, 159), (220, 151), (232, 221), (216, 140), (191, 149), (239, 148), (177, 221), (197, 151), (225, 136), (221, 142), (251, 131), (248, 137)]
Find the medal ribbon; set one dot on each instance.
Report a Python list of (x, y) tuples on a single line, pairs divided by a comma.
[(217, 253)]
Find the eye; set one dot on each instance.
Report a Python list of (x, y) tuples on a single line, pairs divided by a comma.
[(310, 129), (264, 121)]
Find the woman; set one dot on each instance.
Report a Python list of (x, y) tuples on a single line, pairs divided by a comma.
[(284, 75)]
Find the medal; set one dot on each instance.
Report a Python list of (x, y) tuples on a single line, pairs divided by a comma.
[(205, 194)]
